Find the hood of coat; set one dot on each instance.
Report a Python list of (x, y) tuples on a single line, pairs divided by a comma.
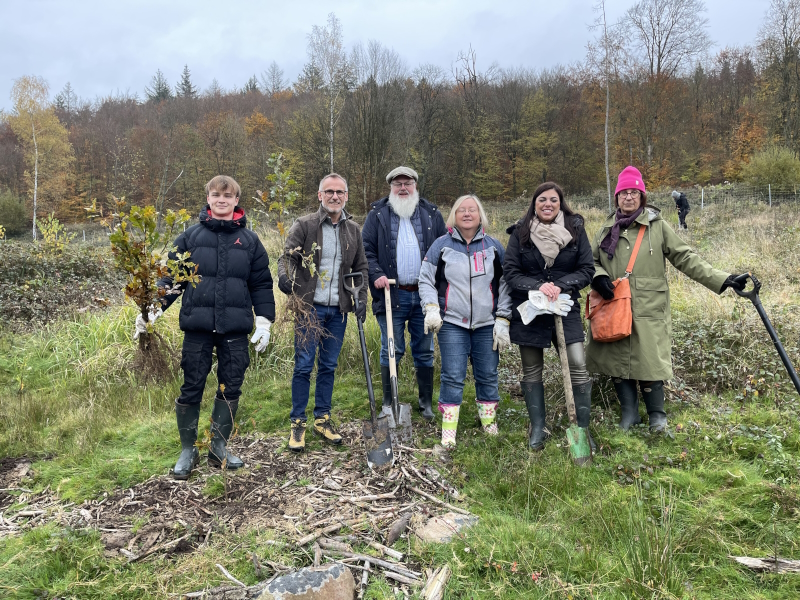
[(239, 220), (456, 235), (649, 214)]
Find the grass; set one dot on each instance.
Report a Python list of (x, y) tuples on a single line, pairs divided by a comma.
[(653, 517)]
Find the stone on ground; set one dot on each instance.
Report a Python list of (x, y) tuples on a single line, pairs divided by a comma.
[(334, 582), (442, 529)]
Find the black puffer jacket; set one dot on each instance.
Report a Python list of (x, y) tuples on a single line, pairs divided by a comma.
[(524, 270), (235, 278)]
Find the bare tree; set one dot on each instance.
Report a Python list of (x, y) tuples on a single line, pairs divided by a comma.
[(671, 33), (272, 80), (326, 52), (779, 47)]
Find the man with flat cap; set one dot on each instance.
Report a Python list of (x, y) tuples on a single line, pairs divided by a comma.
[(397, 233)]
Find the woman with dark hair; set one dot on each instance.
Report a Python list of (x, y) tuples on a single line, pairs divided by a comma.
[(645, 355), (548, 251)]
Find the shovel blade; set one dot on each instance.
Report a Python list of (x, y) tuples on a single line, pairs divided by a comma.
[(378, 442), (579, 448), (400, 427)]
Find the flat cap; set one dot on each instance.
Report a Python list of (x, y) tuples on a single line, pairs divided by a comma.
[(407, 171)]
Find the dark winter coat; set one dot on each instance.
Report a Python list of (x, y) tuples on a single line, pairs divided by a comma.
[(234, 277), (524, 270), (306, 232), (682, 203), (377, 233)]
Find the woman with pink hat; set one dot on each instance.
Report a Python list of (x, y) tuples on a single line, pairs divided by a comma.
[(645, 355)]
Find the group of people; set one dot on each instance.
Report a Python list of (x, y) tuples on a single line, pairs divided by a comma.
[(453, 280)]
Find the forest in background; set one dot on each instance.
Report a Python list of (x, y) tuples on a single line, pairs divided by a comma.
[(650, 84)]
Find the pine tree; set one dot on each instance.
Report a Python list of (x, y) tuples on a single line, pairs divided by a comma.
[(251, 85), (159, 88), (185, 88)]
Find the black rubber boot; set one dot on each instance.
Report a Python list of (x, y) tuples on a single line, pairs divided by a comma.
[(629, 402), (534, 400), (653, 394), (386, 382), (221, 427), (582, 393), (187, 416), (425, 383)]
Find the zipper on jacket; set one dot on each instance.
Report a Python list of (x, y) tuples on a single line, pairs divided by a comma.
[(470, 287)]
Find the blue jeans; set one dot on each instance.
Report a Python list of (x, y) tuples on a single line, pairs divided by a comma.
[(334, 323), (410, 311), (457, 344)]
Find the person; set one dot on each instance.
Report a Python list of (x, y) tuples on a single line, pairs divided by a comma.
[(333, 239), (466, 300), (217, 314), (682, 204), (398, 231), (644, 356), (549, 251)]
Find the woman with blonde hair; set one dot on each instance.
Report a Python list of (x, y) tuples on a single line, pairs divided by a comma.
[(465, 300)]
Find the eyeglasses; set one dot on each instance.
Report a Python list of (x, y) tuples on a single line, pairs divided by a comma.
[(631, 193), (462, 211), (330, 193), (400, 184)]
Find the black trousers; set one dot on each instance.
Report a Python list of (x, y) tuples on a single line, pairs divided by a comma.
[(233, 358), (682, 217)]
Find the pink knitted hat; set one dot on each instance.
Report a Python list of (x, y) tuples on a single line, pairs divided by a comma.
[(630, 179)]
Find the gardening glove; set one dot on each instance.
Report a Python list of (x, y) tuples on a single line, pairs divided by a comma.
[(140, 326), (285, 285), (562, 306), (500, 335), (433, 320), (361, 312), (536, 305), (602, 285), (261, 336), (734, 281)]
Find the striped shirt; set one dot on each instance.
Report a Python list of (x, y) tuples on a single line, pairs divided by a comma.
[(409, 260)]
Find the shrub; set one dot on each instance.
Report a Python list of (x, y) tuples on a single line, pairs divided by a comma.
[(12, 214), (774, 165)]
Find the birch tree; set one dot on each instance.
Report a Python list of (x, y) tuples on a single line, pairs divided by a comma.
[(328, 56), (45, 142)]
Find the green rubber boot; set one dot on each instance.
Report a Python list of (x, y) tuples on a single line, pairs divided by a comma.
[(221, 427), (629, 402), (653, 394), (582, 394), (187, 417)]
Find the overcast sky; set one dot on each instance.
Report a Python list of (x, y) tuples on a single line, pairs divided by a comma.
[(106, 46)]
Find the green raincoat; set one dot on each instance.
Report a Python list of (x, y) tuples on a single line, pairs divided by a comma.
[(646, 354)]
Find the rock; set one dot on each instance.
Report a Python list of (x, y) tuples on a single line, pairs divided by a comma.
[(442, 529), (334, 582)]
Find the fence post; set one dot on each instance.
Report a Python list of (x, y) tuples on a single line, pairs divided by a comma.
[(84, 235), (769, 188), (702, 197)]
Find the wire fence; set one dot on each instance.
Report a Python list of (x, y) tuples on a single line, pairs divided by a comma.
[(700, 197)]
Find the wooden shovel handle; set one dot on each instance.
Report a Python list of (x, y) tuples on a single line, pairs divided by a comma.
[(390, 328), (562, 354)]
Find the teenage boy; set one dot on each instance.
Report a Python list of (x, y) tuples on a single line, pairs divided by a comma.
[(218, 314)]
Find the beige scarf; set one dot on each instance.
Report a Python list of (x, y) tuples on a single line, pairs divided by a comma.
[(550, 238)]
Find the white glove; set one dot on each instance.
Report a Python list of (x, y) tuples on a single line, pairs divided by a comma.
[(433, 320), (261, 335), (565, 304), (140, 326), (538, 304), (500, 335)]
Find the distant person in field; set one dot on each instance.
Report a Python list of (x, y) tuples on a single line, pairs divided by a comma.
[(682, 204), (234, 283), (466, 300), (548, 251), (330, 241), (398, 231), (643, 358)]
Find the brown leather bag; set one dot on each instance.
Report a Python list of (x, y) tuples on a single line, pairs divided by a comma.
[(611, 320)]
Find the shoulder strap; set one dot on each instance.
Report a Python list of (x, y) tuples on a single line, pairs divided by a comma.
[(639, 238)]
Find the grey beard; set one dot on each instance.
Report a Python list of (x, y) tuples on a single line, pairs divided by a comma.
[(404, 207)]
